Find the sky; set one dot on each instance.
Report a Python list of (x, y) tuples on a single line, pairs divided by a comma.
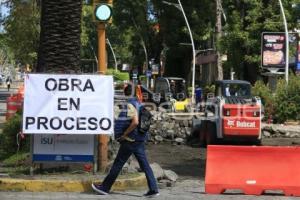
[(4, 12), (4, 9)]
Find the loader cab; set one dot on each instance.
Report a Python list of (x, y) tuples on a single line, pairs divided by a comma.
[(170, 87), (233, 89)]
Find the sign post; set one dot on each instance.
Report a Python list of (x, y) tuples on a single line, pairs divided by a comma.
[(298, 57)]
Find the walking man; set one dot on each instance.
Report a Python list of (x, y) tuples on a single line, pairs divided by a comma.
[(132, 142)]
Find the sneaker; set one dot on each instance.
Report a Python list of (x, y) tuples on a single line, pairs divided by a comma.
[(99, 189), (151, 194)]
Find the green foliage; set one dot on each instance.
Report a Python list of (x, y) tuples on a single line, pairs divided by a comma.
[(8, 138), (133, 35), (88, 33), (122, 76), (122, 43), (263, 91), (284, 104), (22, 30), (246, 20), (208, 89), (16, 159), (173, 33), (138, 38), (287, 106)]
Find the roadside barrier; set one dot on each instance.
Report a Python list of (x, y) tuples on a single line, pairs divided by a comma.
[(253, 169), (13, 104), (21, 90)]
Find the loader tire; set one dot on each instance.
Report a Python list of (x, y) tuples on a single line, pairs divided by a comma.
[(202, 134), (211, 134)]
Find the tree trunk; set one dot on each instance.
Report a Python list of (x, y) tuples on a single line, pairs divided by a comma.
[(218, 37), (59, 49)]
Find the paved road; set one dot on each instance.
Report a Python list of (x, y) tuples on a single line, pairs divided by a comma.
[(184, 190)]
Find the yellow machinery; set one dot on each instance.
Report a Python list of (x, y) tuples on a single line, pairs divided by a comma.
[(171, 90)]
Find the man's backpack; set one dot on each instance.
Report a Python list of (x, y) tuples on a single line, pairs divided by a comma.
[(144, 120), (144, 116), (122, 122)]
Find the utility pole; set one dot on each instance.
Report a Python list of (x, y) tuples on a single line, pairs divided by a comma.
[(102, 67), (286, 43), (218, 38), (102, 139), (103, 13)]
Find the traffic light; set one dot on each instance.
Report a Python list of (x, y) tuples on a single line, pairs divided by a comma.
[(102, 11)]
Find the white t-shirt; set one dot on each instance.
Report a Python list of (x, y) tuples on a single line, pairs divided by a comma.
[(130, 113)]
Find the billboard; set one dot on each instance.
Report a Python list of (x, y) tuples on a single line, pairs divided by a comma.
[(273, 50)]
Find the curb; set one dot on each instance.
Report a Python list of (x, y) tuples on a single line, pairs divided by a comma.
[(22, 185)]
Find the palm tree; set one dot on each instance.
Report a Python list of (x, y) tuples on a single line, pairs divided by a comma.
[(59, 49)]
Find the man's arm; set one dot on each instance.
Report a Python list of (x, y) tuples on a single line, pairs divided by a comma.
[(132, 126)]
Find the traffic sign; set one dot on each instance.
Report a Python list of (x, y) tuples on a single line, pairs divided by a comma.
[(148, 73)]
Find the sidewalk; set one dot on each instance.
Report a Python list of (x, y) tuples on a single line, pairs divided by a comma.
[(69, 183), (66, 182)]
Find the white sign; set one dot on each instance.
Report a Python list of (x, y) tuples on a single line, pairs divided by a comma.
[(68, 104), (72, 148)]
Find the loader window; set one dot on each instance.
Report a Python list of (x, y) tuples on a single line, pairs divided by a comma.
[(237, 90)]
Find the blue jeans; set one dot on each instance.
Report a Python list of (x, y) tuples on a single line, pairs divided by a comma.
[(125, 151)]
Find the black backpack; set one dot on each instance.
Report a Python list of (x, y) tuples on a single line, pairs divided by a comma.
[(144, 120)]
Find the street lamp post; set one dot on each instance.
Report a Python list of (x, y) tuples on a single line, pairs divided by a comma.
[(179, 6), (113, 53), (286, 43)]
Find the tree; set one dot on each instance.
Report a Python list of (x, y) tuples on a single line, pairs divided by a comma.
[(139, 39), (59, 49), (88, 33), (21, 31), (246, 20), (121, 39), (173, 31), (218, 37)]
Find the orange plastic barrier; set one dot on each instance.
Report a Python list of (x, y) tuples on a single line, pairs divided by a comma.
[(13, 104), (21, 90), (139, 93), (253, 169)]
